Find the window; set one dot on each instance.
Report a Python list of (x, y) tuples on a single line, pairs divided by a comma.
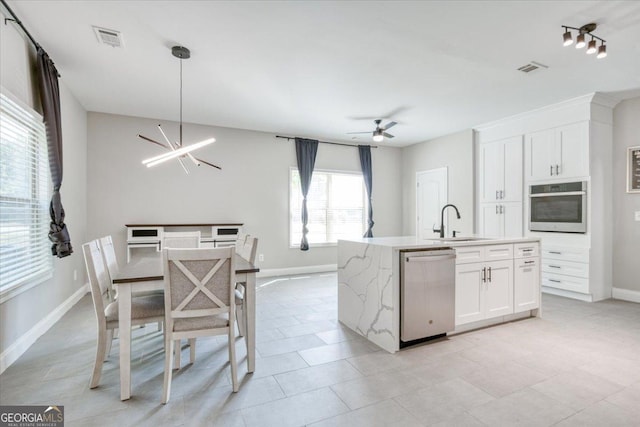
[(24, 196), (336, 203)]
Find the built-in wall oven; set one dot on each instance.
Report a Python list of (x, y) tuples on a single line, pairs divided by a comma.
[(558, 207)]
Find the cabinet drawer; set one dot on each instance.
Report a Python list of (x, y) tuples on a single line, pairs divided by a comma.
[(468, 254), (568, 283), (486, 253), (525, 250), (566, 253), (570, 268), (498, 252)]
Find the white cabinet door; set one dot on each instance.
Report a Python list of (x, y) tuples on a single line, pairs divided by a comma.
[(490, 221), (574, 150), (469, 293), (512, 219), (491, 171), (512, 176), (526, 284), (540, 155), (499, 289)]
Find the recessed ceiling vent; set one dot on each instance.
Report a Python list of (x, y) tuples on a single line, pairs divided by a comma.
[(532, 66), (109, 37)]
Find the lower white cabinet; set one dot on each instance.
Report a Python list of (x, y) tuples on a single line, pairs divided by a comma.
[(526, 284), (491, 283), (483, 290)]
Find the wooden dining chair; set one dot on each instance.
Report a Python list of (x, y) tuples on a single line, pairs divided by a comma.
[(146, 309), (199, 288), (248, 252), (182, 240)]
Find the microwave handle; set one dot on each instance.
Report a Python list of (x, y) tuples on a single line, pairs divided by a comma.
[(568, 193)]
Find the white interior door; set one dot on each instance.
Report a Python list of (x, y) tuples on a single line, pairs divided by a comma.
[(431, 197)]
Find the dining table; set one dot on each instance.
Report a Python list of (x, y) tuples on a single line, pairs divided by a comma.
[(147, 274)]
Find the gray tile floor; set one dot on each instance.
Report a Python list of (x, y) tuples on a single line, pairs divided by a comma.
[(579, 365)]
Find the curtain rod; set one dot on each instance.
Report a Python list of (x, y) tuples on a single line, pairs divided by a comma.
[(325, 142), (17, 21)]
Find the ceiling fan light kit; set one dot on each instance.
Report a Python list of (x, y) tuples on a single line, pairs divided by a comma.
[(177, 150), (583, 32)]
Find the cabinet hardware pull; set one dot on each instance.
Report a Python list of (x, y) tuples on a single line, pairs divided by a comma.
[(484, 274), (555, 253), (529, 262), (551, 170), (497, 196), (555, 266), (527, 249), (501, 208), (557, 173), (489, 274), (502, 194), (497, 210), (555, 281)]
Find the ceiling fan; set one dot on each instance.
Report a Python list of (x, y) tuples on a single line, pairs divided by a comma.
[(379, 133)]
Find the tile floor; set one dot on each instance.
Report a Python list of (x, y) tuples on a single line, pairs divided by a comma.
[(577, 366)]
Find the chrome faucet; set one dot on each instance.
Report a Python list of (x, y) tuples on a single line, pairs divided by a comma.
[(441, 231)]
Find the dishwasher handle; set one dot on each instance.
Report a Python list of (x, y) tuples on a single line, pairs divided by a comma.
[(429, 258)]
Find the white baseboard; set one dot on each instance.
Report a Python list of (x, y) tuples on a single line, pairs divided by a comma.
[(22, 344), (625, 294), (273, 272)]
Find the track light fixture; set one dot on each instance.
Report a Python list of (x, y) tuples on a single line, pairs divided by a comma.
[(583, 32)]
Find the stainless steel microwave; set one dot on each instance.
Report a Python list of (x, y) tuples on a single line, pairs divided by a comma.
[(558, 207)]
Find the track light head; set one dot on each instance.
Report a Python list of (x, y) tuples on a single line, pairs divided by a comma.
[(592, 47), (602, 52), (567, 38), (580, 43)]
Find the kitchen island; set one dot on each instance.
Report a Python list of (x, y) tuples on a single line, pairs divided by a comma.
[(369, 282)]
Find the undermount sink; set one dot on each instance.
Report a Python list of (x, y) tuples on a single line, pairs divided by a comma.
[(460, 239)]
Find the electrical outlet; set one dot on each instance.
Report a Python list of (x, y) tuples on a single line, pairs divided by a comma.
[(75, 275), (261, 257), (637, 216)]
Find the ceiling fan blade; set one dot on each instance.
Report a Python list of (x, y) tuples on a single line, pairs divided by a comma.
[(387, 135), (355, 133), (389, 125), (153, 141)]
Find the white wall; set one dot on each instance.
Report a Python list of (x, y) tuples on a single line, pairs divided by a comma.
[(455, 152), (251, 188), (20, 314), (626, 231)]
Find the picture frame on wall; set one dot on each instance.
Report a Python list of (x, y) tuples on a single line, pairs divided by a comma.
[(633, 169)]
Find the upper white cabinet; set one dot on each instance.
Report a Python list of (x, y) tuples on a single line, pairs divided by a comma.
[(500, 219), (561, 152), (501, 170)]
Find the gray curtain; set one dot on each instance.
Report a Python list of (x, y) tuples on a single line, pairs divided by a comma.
[(50, 97), (367, 174), (306, 150)]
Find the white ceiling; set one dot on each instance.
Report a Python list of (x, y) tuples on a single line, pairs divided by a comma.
[(316, 68)]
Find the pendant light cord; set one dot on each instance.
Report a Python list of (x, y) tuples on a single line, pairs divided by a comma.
[(181, 102)]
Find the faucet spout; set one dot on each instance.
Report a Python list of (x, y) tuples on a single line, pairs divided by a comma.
[(442, 234)]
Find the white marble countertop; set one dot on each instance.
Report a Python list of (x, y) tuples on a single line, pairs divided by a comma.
[(412, 242)]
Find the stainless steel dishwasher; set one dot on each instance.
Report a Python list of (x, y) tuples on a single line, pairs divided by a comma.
[(427, 294)]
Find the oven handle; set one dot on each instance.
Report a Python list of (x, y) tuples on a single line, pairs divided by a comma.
[(568, 193)]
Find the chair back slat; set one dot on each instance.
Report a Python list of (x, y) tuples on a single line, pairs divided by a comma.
[(182, 239), (249, 249), (98, 276), (110, 260), (198, 282)]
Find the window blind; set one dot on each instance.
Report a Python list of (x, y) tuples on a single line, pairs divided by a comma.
[(25, 190)]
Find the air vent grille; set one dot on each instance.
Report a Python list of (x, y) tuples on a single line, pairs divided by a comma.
[(109, 37), (532, 66)]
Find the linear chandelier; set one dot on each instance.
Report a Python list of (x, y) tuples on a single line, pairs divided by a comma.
[(177, 150), (583, 32)]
